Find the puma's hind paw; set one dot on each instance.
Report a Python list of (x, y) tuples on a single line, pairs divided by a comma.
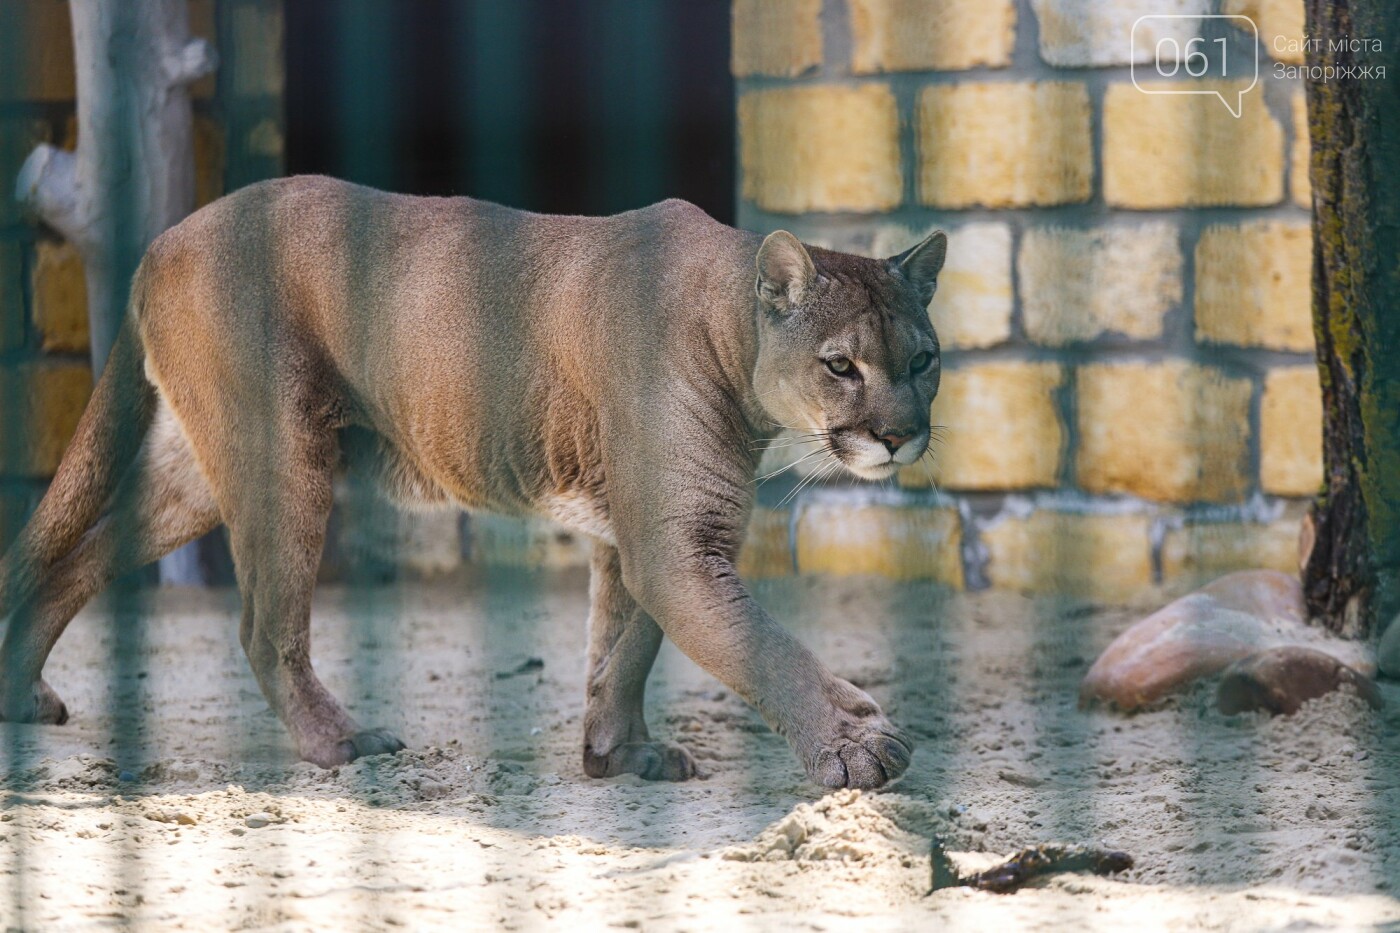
[(39, 704), (370, 742), (652, 761)]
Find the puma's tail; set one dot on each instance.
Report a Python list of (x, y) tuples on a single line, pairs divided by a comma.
[(106, 441)]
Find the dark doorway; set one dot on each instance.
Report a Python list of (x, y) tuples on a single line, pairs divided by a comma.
[(566, 106)]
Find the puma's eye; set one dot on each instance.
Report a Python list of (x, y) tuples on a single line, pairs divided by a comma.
[(921, 362), (840, 366)]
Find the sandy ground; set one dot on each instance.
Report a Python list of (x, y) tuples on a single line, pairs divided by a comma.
[(173, 801)]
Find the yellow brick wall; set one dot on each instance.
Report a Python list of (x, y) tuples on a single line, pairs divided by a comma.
[(1129, 395)]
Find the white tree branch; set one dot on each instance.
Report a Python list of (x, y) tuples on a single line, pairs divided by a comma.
[(187, 63), (47, 186)]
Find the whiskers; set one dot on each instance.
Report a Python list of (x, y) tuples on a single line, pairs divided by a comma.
[(937, 434), (791, 440), (821, 451), (819, 475), (826, 463)]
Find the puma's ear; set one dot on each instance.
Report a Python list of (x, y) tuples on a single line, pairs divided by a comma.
[(785, 271), (921, 264)]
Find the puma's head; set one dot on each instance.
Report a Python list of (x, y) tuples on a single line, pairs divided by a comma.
[(846, 350)]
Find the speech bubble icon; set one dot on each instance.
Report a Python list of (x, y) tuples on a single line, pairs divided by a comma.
[(1178, 54)]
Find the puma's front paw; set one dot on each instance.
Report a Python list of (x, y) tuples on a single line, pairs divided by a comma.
[(37, 704), (858, 746), (651, 761)]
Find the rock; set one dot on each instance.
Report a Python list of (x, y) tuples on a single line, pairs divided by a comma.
[(1204, 632), (1279, 680), (258, 820)]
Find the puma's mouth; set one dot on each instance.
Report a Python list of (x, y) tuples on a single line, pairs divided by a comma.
[(870, 459), (879, 471)]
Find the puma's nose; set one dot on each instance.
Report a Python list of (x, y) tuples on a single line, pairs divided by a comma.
[(895, 439)]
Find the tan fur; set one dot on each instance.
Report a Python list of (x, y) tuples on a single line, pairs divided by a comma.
[(615, 374)]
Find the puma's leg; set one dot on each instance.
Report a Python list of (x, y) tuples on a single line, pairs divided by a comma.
[(162, 503), (622, 644), (277, 523)]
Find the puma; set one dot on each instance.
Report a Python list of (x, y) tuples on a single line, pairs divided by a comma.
[(615, 374)]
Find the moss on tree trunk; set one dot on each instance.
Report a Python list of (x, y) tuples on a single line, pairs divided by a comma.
[(1352, 572)]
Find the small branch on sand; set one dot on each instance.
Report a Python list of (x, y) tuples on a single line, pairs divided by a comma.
[(1024, 866)]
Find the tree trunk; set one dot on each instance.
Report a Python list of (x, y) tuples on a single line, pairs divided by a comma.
[(133, 173), (1351, 572)]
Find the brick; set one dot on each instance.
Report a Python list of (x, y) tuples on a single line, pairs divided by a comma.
[(1107, 557), (1076, 34), (779, 38), (203, 19), (915, 35), (1299, 184), (36, 51), (496, 540), (972, 307), (1005, 144), (1199, 553), (898, 542), (767, 550), (257, 50), (41, 404), (820, 148), (1077, 285), (1000, 427), (11, 295), (203, 25), (266, 139), (1170, 431), (1187, 150), (60, 298), (1254, 285), (1290, 432), (1280, 23), (209, 160)]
